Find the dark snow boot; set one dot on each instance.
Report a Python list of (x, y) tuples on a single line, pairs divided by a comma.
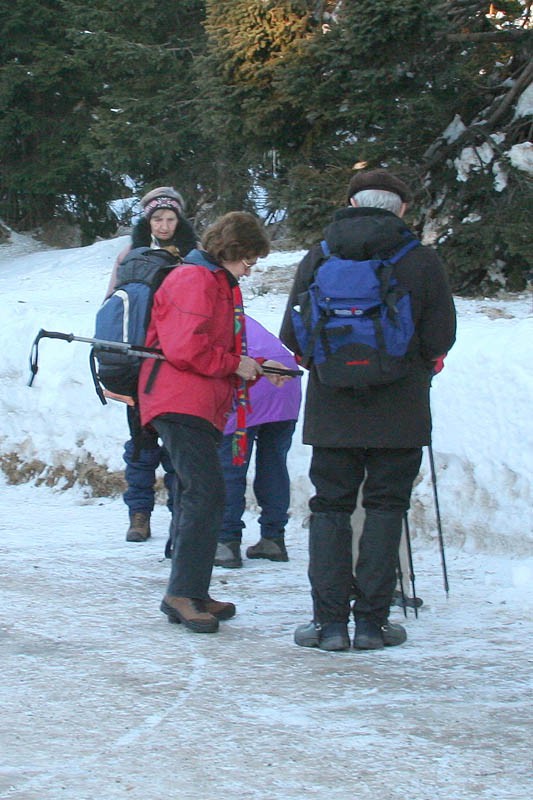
[(271, 549), (371, 636), (333, 636), (228, 555)]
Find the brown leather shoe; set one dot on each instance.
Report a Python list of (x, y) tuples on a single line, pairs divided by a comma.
[(139, 530), (190, 612), (218, 609)]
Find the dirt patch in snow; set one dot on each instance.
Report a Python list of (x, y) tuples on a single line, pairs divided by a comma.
[(93, 477)]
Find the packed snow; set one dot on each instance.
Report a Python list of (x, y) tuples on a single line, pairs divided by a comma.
[(101, 699)]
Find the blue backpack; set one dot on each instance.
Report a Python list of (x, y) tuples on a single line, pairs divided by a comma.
[(125, 315), (354, 323)]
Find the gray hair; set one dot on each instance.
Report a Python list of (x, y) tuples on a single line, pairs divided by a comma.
[(379, 198)]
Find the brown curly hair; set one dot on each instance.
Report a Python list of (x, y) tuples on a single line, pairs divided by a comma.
[(235, 236)]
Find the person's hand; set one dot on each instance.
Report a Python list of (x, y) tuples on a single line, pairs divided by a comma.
[(248, 369), (276, 380)]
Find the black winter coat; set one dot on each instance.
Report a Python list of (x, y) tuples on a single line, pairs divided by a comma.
[(397, 414)]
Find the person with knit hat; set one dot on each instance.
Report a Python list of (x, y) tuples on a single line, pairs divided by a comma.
[(368, 439), (162, 225)]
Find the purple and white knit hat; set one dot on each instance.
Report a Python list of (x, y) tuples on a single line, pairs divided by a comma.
[(161, 202), (162, 197)]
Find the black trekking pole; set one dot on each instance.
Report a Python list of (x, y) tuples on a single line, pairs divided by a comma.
[(103, 345), (439, 524), (410, 562)]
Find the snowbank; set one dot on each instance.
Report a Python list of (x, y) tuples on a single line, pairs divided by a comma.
[(58, 430)]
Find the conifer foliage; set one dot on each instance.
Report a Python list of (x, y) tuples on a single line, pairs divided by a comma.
[(266, 105), (45, 105)]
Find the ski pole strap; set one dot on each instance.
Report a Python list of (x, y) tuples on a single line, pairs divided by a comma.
[(34, 353), (96, 381)]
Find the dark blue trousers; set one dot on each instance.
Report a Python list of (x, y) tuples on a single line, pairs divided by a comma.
[(271, 484), (142, 457)]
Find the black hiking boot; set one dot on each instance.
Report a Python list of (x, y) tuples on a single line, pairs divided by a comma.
[(371, 636), (332, 636)]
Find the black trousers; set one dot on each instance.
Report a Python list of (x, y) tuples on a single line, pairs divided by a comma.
[(386, 477), (198, 506)]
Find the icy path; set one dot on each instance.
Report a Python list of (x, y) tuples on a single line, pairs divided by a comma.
[(103, 700)]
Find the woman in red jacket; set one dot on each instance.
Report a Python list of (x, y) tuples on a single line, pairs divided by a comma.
[(198, 321)]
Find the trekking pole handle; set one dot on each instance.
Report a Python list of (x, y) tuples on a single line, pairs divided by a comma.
[(67, 337), (102, 344), (291, 373), (98, 344)]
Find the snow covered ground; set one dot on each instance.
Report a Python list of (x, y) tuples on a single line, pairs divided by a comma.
[(102, 699)]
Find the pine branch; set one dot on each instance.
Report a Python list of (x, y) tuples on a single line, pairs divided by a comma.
[(440, 150), (508, 35), (521, 83)]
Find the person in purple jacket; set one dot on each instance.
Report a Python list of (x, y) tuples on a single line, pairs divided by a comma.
[(270, 426)]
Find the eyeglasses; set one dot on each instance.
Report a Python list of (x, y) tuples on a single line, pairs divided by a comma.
[(249, 263)]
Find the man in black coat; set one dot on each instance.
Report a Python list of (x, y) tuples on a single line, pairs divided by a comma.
[(370, 438)]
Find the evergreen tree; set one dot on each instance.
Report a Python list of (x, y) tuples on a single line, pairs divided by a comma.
[(246, 118), (144, 121), (45, 101), (373, 89), (89, 94), (379, 85), (231, 100), (479, 191)]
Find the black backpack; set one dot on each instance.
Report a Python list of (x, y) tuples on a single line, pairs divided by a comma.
[(125, 315)]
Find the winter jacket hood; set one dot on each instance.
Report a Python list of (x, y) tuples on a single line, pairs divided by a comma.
[(361, 234)]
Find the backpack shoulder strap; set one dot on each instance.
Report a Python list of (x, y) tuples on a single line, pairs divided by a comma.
[(404, 249), (388, 290)]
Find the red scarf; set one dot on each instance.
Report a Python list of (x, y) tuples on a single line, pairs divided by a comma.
[(239, 445)]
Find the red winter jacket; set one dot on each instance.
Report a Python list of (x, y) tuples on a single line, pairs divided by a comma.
[(193, 323)]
